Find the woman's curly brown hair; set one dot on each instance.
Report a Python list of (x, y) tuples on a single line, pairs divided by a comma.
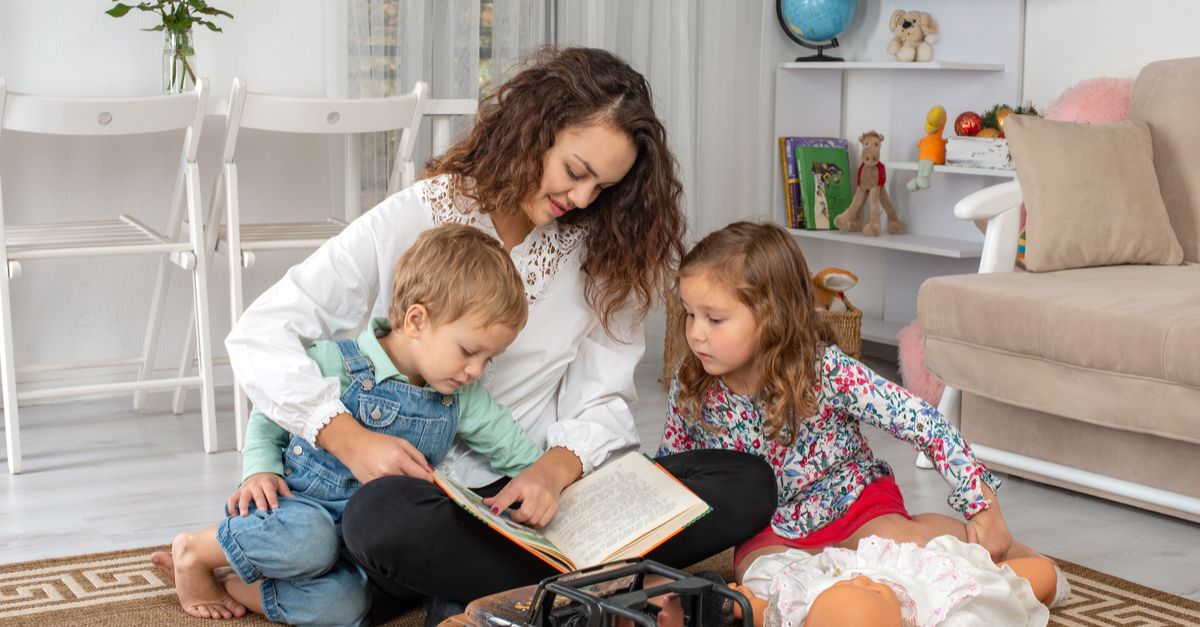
[(764, 268), (637, 225)]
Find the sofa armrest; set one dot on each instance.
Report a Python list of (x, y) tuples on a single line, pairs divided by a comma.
[(989, 202), (1000, 205)]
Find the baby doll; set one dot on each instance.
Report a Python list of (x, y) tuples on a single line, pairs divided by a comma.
[(948, 582)]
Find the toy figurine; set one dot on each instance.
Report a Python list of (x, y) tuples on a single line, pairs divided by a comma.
[(916, 32), (870, 191), (931, 150)]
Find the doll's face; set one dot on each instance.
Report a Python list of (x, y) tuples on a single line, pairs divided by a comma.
[(857, 601)]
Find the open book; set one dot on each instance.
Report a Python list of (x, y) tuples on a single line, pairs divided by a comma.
[(622, 510)]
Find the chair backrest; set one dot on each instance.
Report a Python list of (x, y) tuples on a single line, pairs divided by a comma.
[(106, 116), (285, 114), (441, 111)]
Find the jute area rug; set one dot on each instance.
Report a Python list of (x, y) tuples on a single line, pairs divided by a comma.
[(123, 588)]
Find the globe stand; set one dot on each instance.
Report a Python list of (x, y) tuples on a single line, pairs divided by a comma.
[(818, 46), (820, 56)]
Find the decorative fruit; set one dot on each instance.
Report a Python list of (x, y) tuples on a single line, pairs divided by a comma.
[(1000, 116), (968, 123), (990, 133)]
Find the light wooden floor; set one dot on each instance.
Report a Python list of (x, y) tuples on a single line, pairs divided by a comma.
[(99, 477)]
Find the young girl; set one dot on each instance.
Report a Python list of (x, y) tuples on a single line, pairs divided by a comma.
[(765, 377)]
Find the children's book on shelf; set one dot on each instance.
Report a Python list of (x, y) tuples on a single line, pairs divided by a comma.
[(791, 182), (624, 509), (823, 164)]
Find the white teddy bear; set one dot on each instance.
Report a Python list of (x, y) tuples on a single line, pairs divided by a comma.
[(916, 31)]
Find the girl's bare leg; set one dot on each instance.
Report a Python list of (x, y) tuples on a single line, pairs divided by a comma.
[(920, 530)]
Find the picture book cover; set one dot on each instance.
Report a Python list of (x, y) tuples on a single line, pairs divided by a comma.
[(824, 168)]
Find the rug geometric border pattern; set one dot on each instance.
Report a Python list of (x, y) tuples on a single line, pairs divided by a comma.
[(123, 588)]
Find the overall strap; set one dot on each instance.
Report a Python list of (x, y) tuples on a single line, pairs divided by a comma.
[(357, 365)]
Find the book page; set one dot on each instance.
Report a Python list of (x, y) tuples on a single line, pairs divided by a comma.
[(610, 508), (521, 534)]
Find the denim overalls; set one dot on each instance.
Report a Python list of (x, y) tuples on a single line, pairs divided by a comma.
[(307, 576)]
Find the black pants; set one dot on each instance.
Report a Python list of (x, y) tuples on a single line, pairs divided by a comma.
[(413, 540)]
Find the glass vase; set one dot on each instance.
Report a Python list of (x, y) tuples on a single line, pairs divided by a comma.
[(178, 62)]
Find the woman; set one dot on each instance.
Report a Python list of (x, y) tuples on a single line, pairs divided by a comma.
[(569, 168)]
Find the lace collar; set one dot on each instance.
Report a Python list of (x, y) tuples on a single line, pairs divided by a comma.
[(538, 258)]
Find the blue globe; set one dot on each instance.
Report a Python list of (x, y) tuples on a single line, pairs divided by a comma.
[(816, 20)]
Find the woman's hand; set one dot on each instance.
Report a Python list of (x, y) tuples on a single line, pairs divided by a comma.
[(988, 529), (538, 487), (263, 489), (370, 455)]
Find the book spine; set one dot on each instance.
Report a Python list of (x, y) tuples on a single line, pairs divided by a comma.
[(794, 184), (789, 218)]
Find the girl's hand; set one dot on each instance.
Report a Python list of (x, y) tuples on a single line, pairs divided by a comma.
[(370, 455), (538, 487), (262, 488), (988, 529)]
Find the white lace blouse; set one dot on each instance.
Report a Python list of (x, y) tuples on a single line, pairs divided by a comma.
[(564, 379)]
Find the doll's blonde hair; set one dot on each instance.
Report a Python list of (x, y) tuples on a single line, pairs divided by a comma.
[(764, 268), (455, 270)]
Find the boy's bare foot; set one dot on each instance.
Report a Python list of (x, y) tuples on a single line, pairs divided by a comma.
[(165, 564), (199, 593)]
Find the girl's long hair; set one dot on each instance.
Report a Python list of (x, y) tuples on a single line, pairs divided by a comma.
[(636, 227), (764, 268)]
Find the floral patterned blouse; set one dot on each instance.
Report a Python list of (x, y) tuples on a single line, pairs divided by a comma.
[(828, 466)]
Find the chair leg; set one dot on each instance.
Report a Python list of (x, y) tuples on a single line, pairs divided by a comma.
[(8, 373), (179, 398), (201, 308), (162, 285), (236, 263), (211, 233), (951, 407)]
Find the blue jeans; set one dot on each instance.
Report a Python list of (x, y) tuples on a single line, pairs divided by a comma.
[(296, 551)]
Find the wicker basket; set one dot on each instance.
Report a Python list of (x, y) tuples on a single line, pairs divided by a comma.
[(846, 325)]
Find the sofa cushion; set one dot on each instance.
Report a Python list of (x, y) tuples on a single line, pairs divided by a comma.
[(1165, 97), (1084, 329), (1091, 194)]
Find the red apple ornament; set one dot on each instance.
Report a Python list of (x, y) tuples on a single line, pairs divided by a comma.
[(968, 123)]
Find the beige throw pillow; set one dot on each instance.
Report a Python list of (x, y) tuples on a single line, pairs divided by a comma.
[(1091, 195)]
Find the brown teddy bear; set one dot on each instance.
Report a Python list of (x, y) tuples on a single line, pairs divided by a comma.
[(916, 32)]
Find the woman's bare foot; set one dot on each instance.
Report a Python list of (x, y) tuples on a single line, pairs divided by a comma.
[(199, 593)]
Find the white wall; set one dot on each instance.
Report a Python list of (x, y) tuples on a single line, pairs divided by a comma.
[(71, 308), (1067, 41)]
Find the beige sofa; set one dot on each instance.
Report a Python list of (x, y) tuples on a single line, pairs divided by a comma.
[(1086, 378)]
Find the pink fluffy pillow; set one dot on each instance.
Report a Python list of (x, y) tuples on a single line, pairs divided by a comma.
[(913, 374), (1093, 100)]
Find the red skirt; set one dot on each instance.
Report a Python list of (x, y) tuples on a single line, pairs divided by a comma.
[(880, 497)]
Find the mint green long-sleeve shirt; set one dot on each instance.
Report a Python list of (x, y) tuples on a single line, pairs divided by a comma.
[(483, 424)]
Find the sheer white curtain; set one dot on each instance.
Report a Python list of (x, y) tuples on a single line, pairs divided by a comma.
[(711, 64), (456, 46)]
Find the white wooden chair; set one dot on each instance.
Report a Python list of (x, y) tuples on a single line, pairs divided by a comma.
[(239, 241), (121, 235)]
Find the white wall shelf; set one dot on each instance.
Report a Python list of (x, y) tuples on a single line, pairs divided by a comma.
[(910, 242), (880, 331), (892, 65), (954, 169)]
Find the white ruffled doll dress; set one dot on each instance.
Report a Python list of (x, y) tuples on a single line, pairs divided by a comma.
[(948, 583)]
